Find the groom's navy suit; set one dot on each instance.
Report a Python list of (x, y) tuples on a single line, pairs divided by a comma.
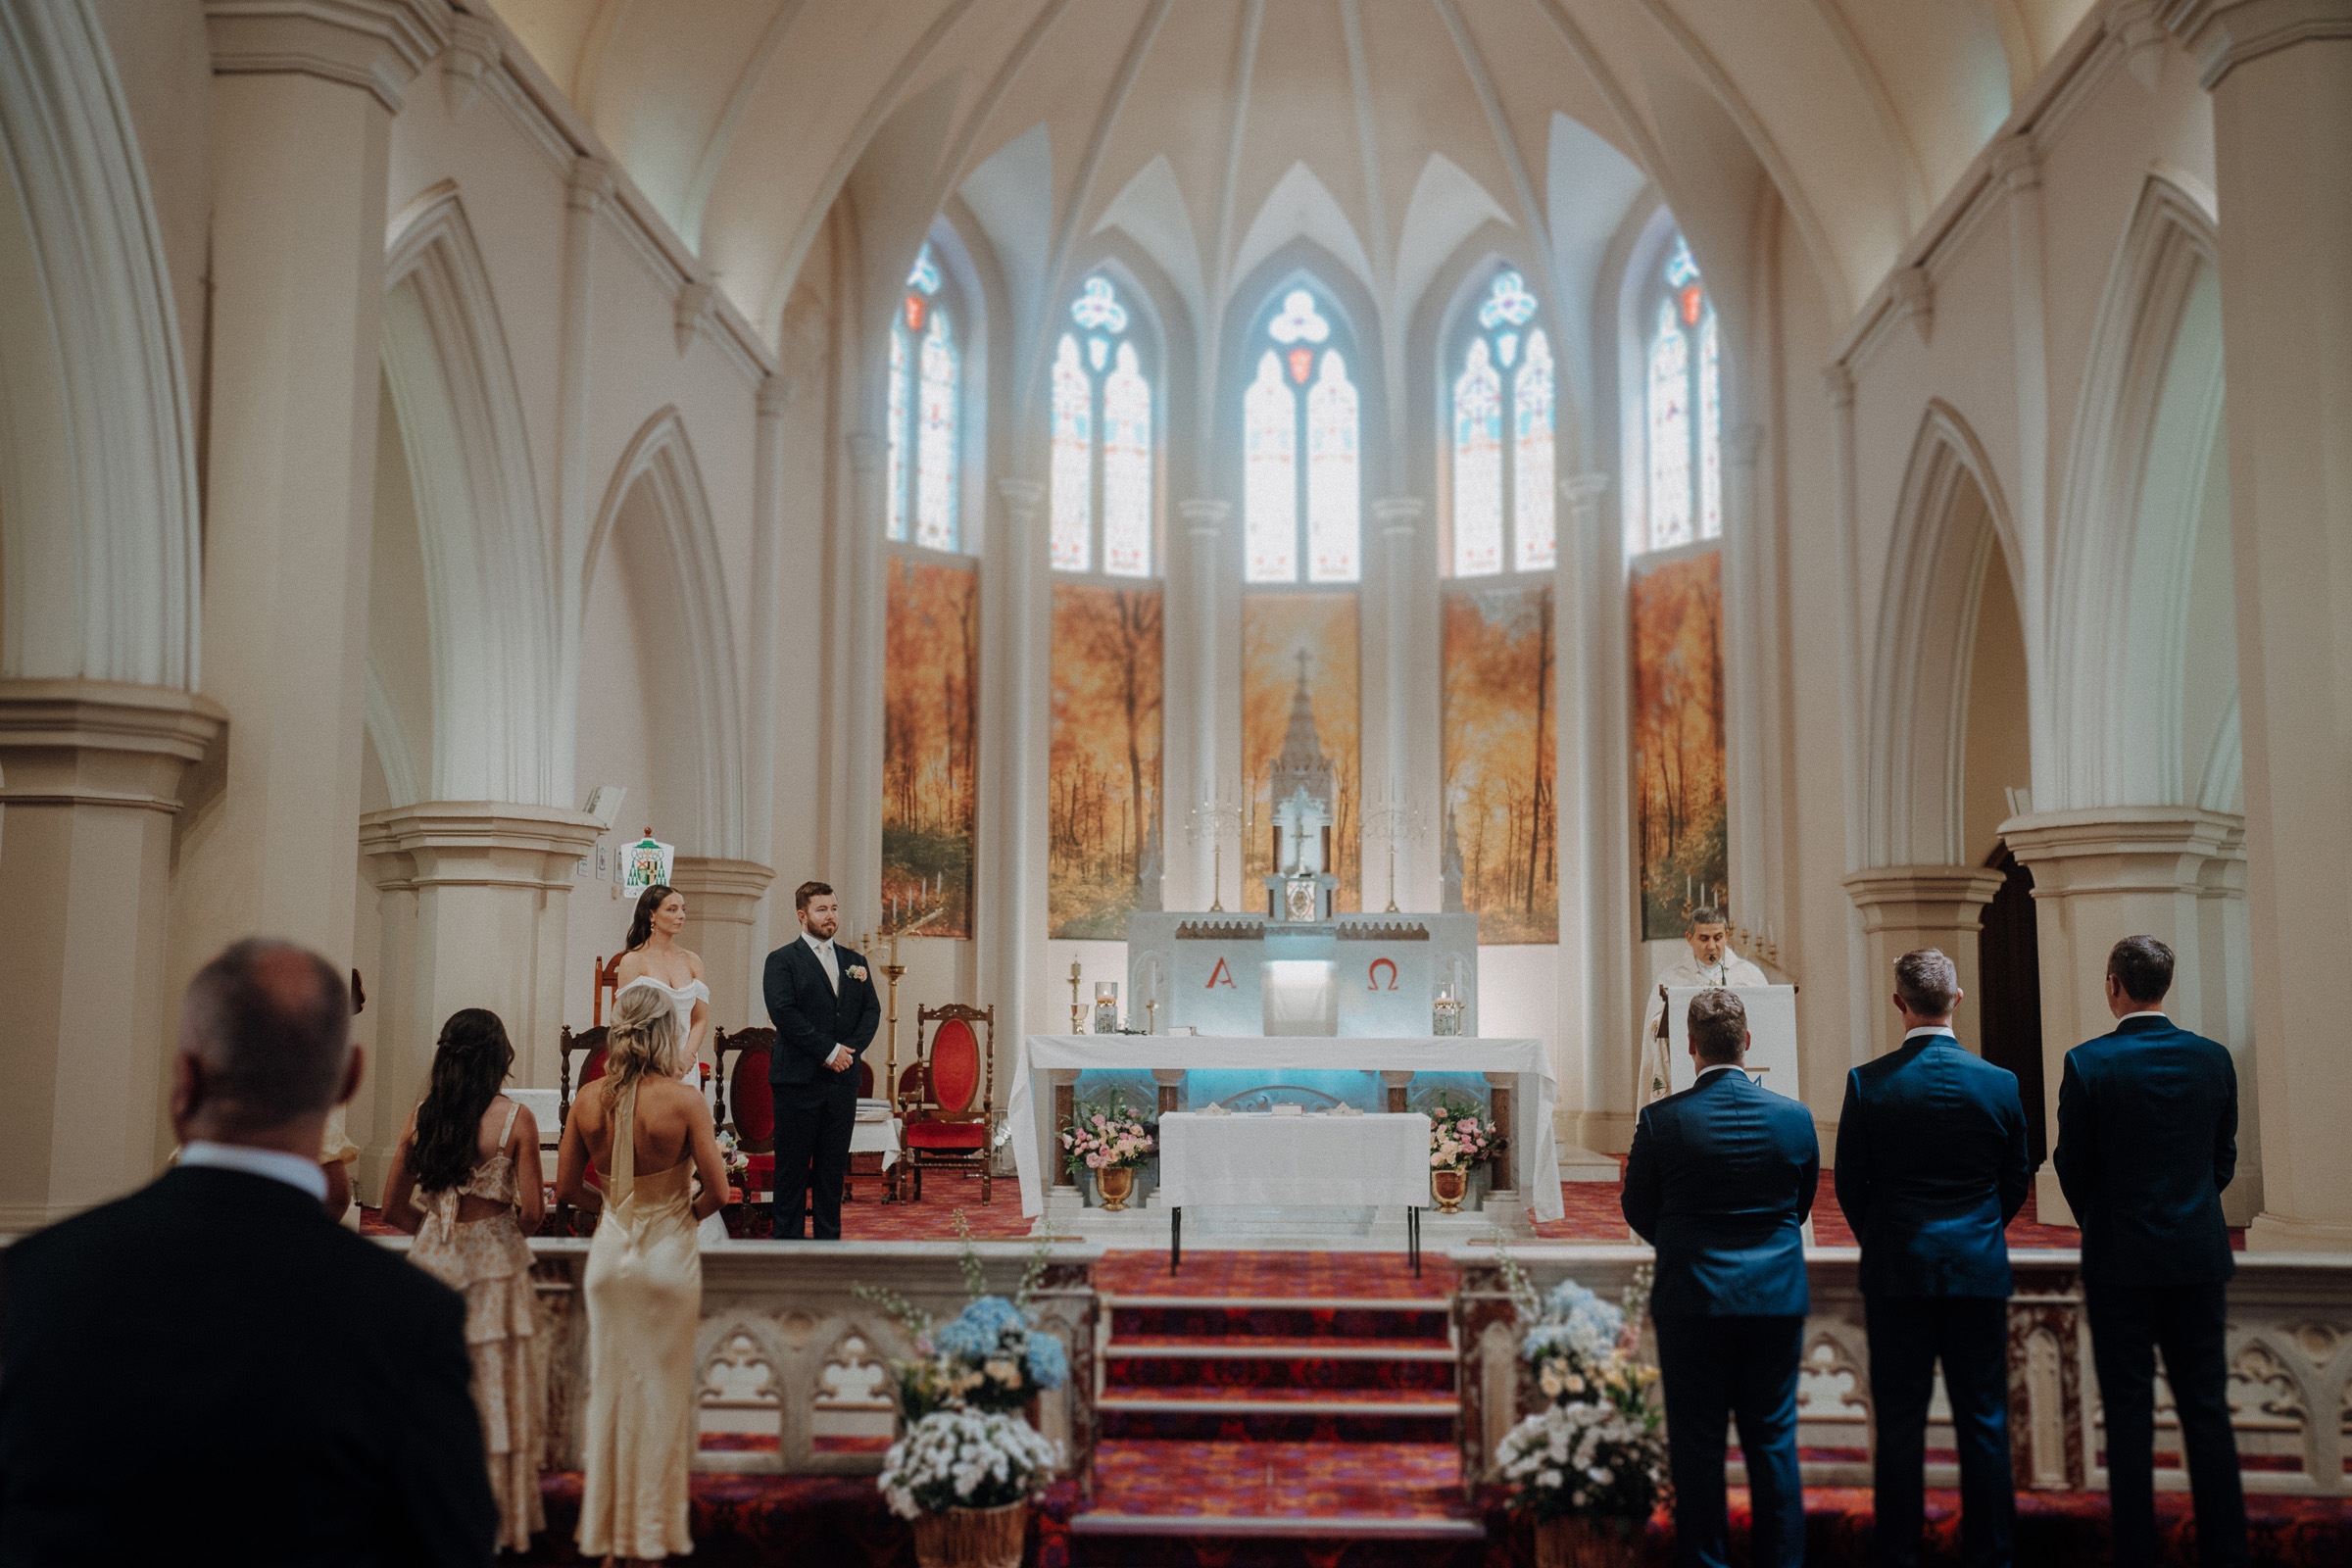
[(2147, 1140), (816, 1107), (1931, 1165), (1720, 1181)]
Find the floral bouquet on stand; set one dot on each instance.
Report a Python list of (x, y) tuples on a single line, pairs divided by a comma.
[(1460, 1137), (968, 1463), (1590, 1468), (1111, 1141)]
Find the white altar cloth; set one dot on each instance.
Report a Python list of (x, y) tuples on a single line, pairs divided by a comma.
[(1036, 1147), (1359, 1161)]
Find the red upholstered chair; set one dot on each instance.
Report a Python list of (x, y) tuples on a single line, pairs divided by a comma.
[(945, 1129), (588, 1043), (745, 1088)]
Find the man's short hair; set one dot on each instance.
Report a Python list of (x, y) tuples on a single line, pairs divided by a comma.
[(1928, 982), (271, 1023), (2143, 968), (1708, 914), (1718, 1025), (806, 891)]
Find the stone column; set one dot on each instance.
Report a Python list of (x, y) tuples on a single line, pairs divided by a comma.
[(854, 859), (1201, 585), (763, 690), (722, 898), (1597, 984), (2281, 76), (474, 897), (1399, 519), (1909, 907), (2168, 871), (1028, 742), (303, 97), (92, 772)]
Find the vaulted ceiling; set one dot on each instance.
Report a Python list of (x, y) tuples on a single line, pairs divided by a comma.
[(1212, 132)]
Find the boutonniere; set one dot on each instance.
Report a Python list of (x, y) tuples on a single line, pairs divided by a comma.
[(857, 971)]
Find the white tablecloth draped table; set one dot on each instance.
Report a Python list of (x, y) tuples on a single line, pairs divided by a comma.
[(1036, 1147), (1363, 1161)]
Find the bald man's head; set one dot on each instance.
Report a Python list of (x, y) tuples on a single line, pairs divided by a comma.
[(267, 1028)]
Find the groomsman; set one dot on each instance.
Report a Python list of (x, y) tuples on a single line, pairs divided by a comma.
[(1931, 1166), (1721, 1178), (825, 1012), (2148, 1138)]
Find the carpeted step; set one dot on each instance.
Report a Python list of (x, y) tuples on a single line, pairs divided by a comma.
[(1276, 1366), (1168, 1319)]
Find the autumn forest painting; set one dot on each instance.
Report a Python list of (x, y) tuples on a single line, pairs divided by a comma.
[(1276, 628), (1104, 771), (929, 778), (1503, 760), (1679, 815)]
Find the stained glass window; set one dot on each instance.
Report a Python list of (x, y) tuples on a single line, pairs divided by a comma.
[(1502, 446), (1533, 525), (1478, 466), (935, 442), (1682, 411), (1333, 491), (1710, 431), (1127, 468), (1270, 475), (1669, 432), (1071, 543), (1099, 418), (898, 432)]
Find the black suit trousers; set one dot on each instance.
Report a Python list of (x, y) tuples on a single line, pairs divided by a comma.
[(813, 1122), (2188, 1323), (1969, 1334), (1715, 1368)]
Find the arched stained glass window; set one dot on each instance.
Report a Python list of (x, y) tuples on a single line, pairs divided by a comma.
[(1503, 437), (1100, 385), (1270, 478), (1071, 546), (1683, 411), (924, 410), (1301, 429), (1478, 466)]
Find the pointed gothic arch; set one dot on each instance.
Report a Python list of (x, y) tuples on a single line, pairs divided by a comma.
[(657, 513), (1950, 518), (490, 586)]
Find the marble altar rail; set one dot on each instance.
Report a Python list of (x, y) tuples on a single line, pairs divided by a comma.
[(2290, 1346)]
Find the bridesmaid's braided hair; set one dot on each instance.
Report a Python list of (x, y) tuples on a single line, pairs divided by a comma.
[(642, 1041), (470, 1064)]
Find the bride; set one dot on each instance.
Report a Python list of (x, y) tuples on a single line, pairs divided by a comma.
[(653, 958)]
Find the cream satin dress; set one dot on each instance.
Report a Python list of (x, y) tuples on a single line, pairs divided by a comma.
[(645, 1300)]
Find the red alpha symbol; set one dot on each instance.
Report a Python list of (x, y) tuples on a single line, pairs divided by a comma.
[(1378, 964), (1216, 974)]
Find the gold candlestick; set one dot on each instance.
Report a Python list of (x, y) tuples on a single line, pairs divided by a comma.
[(889, 1054), (1077, 1008), (1151, 1016)]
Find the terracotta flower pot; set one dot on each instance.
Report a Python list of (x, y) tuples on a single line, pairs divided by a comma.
[(1449, 1187), (972, 1538), (1582, 1543), (1115, 1186)]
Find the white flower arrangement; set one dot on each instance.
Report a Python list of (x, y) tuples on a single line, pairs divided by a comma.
[(1598, 1449), (966, 1459)]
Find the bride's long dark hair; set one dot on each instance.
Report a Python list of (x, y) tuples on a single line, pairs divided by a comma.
[(470, 1064), (641, 924)]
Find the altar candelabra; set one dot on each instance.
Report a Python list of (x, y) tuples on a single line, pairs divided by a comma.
[(893, 971), (1212, 820), (1390, 821)]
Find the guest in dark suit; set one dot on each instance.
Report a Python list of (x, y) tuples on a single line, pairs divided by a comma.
[(1720, 1181), (825, 1012), (2148, 1138), (304, 1391), (1931, 1166)]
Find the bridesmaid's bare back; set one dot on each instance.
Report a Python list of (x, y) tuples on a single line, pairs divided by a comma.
[(665, 1124)]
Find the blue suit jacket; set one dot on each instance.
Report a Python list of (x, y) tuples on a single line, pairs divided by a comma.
[(1931, 1167), (1720, 1181), (2148, 1138)]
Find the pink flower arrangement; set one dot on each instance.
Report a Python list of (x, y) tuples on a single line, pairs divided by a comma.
[(1460, 1137), (1107, 1138)]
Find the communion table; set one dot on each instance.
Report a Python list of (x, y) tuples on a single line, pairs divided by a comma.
[(1365, 1161), (1046, 1063)]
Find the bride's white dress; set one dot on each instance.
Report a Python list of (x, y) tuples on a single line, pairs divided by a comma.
[(713, 1232)]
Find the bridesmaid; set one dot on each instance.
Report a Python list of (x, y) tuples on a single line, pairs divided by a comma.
[(644, 1278), (465, 1180)]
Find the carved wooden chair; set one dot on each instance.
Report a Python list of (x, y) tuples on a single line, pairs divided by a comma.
[(588, 1043), (943, 1128)]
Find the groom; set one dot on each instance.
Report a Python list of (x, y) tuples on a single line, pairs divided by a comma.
[(825, 1014)]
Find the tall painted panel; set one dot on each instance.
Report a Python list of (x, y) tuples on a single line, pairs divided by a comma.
[(929, 754), (1104, 771), (1679, 818), (1502, 758)]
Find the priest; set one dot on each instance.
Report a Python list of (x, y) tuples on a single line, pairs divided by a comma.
[(1710, 963)]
